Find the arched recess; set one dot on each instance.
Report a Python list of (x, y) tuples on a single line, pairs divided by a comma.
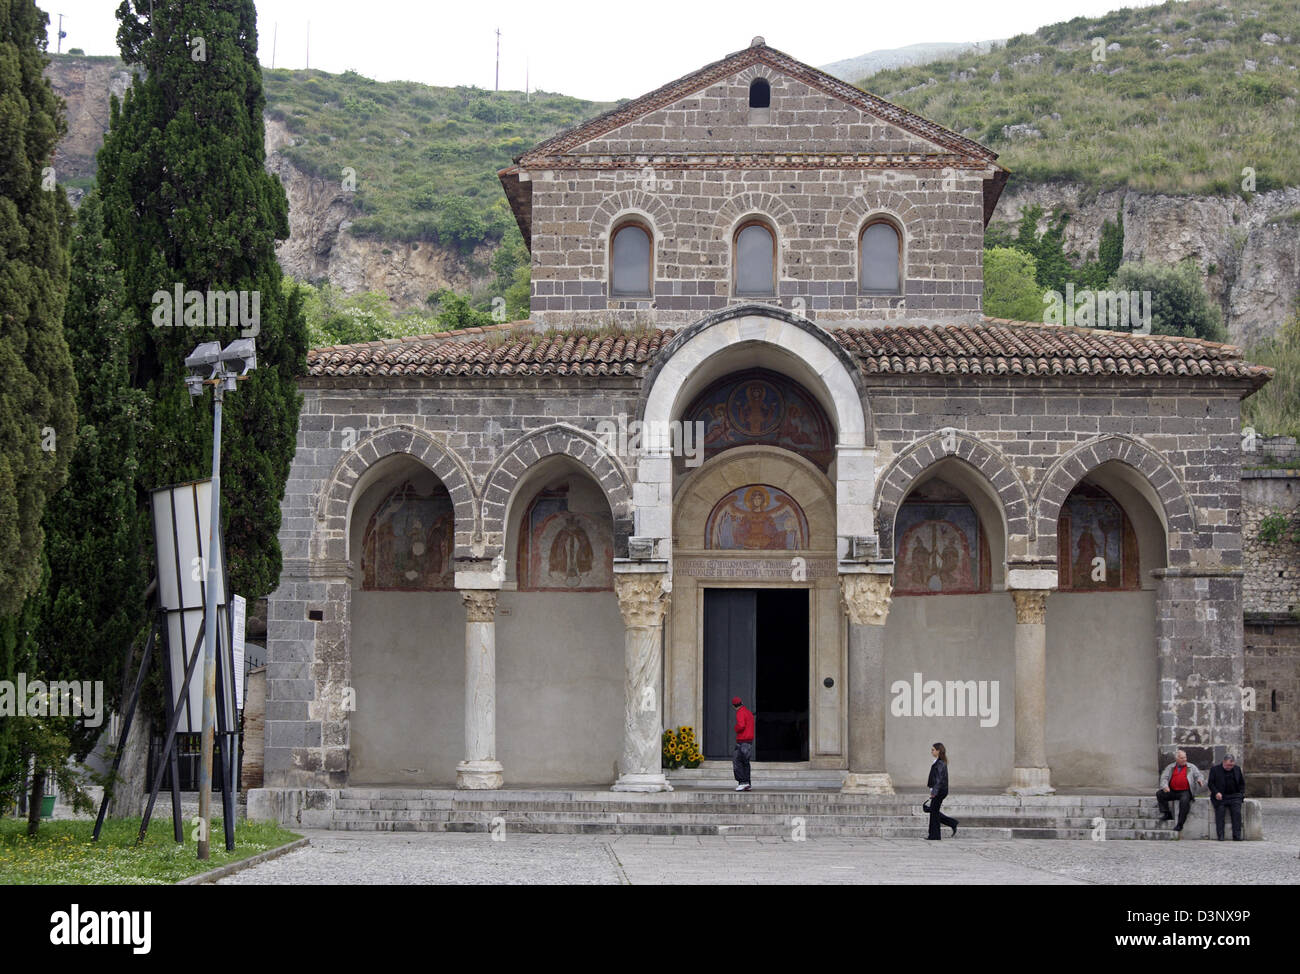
[(746, 337), (404, 653), (501, 491), (739, 467), (1131, 468), (356, 469), (981, 472)]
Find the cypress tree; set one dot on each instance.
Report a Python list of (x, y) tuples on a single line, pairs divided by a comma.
[(92, 606), (187, 201), (37, 411)]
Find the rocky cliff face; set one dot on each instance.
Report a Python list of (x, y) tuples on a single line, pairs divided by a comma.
[(1249, 251), (319, 247)]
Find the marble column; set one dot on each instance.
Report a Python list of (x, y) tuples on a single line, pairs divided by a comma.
[(642, 599), (480, 769), (866, 598), (1031, 775)]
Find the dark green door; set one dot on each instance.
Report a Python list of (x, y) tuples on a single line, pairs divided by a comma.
[(756, 647)]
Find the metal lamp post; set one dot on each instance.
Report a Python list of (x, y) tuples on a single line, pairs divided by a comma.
[(210, 365)]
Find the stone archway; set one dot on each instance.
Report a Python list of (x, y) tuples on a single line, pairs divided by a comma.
[(1157, 483), (993, 469), (795, 347), (564, 440), (333, 511)]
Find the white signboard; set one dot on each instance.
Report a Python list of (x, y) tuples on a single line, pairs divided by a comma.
[(188, 562), (238, 609)]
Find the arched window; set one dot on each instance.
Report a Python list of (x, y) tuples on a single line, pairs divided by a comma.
[(880, 258), (760, 94), (630, 261), (755, 259)]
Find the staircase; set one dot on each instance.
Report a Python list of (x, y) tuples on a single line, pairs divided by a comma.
[(709, 812)]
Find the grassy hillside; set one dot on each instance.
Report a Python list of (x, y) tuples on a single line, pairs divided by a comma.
[(1194, 93), (425, 158)]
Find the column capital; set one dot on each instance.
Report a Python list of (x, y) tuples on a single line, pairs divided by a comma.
[(1031, 605), (866, 597), (480, 604), (642, 598)]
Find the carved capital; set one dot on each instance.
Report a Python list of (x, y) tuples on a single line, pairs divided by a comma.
[(642, 598), (866, 597), (480, 604), (1031, 605)]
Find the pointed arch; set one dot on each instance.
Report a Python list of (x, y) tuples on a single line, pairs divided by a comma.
[(898, 479), (1163, 490)]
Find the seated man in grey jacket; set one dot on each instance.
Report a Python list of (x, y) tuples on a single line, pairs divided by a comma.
[(1177, 781)]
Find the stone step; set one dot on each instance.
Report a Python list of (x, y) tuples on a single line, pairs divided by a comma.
[(811, 831), (757, 805)]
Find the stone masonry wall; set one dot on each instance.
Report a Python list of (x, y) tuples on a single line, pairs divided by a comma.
[(1272, 582), (816, 216), (477, 421)]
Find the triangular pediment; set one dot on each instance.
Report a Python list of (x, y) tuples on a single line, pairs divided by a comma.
[(704, 112)]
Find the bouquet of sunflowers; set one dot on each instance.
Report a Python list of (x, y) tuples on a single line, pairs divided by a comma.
[(681, 749)]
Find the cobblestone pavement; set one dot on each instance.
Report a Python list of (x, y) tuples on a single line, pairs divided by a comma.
[(356, 858)]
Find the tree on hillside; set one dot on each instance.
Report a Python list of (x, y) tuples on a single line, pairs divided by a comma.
[(1179, 303), (1275, 409), (37, 411), (187, 202), (1010, 290)]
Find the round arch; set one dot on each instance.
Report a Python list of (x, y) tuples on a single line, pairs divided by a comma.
[(737, 337)]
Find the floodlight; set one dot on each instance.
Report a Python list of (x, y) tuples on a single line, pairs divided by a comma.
[(203, 361), (240, 356)]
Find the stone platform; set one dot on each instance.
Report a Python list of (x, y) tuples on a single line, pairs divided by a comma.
[(705, 811)]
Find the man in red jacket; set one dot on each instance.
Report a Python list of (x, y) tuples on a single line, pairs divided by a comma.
[(744, 744)]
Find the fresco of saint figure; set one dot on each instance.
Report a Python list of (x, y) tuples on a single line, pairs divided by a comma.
[(408, 541), (571, 554), (757, 517), (938, 549)]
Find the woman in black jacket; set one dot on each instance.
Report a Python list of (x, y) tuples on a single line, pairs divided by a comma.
[(938, 785)]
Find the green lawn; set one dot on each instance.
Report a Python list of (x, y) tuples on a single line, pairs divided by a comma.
[(63, 853)]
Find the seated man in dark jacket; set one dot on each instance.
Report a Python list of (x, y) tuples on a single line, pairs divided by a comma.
[(1227, 790)]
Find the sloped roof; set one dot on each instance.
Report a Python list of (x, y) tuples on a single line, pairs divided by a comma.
[(996, 347), (559, 151)]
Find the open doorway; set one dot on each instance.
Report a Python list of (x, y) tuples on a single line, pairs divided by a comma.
[(756, 647)]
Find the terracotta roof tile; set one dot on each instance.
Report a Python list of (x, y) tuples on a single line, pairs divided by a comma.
[(996, 347)]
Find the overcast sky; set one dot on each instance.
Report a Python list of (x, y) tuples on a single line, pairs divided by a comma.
[(594, 49)]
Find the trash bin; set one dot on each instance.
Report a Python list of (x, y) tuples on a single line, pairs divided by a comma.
[(47, 806)]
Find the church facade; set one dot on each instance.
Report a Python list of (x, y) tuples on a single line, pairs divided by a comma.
[(758, 439)]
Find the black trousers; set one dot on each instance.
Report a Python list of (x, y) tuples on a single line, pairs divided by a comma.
[(740, 761), (1184, 799), (1230, 803), (937, 818)]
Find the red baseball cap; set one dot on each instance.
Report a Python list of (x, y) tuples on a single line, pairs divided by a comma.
[(734, 701)]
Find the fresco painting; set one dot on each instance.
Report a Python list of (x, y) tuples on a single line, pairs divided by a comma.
[(763, 408), (408, 542), (757, 517), (938, 550), (565, 551)]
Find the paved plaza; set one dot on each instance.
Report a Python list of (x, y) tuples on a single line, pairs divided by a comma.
[(475, 858)]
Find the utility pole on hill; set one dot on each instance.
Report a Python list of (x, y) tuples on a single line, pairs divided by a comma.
[(497, 86), (59, 45)]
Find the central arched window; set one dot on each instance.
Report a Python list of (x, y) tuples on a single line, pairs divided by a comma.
[(880, 258), (630, 264), (755, 260)]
